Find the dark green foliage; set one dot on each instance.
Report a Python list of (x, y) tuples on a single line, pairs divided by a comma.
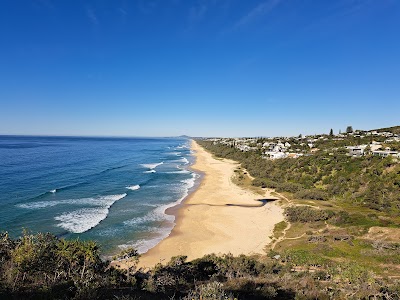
[(265, 183), (313, 194), (289, 187), (306, 214), (394, 129), (42, 264)]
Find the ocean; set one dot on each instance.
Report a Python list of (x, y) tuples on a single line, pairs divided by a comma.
[(111, 190)]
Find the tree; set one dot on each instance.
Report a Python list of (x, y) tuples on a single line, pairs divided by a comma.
[(331, 132), (367, 150), (349, 129), (130, 257)]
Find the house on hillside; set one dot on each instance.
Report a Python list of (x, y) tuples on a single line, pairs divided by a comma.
[(275, 155), (385, 153), (356, 150)]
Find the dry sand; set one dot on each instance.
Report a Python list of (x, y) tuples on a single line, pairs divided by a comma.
[(219, 217)]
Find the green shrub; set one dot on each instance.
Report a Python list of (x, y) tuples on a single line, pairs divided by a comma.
[(209, 291), (313, 194), (306, 214), (265, 183), (289, 187), (303, 257)]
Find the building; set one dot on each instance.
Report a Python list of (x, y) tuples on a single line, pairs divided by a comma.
[(356, 150), (385, 153)]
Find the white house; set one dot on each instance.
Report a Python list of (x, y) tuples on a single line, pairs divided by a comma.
[(356, 150), (275, 155), (385, 153)]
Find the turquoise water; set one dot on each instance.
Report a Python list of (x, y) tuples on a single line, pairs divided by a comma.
[(111, 190)]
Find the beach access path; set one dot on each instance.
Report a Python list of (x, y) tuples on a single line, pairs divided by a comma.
[(218, 217)]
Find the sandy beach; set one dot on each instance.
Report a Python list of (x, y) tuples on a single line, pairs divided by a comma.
[(219, 217)]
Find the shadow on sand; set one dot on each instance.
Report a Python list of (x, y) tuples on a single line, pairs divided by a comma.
[(261, 203)]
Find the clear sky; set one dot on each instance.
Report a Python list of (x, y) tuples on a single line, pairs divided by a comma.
[(201, 68)]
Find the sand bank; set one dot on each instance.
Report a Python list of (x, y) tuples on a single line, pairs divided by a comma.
[(219, 217)]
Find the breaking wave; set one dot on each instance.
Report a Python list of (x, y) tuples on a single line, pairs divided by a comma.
[(84, 219), (133, 187), (159, 215), (152, 166)]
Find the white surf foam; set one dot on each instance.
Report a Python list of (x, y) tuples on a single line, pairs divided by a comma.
[(38, 204), (157, 233), (150, 171), (133, 187), (152, 166), (53, 191), (175, 153), (144, 245), (184, 146), (189, 182), (153, 216), (84, 219), (158, 214), (95, 201), (183, 160), (178, 172)]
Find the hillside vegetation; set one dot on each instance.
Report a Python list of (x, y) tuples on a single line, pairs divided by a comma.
[(367, 181), (340, 209), (394, 129)]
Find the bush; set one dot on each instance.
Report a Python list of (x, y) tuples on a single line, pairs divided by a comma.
[(289, 187), (209, 291), (265, 183), (306, 214), (45, 266), (313, 194)]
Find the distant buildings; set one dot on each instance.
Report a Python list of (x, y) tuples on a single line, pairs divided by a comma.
[(373, 149), (294, 147)]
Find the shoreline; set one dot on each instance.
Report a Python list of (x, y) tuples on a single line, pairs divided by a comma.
[(216, 217), (173, 210)]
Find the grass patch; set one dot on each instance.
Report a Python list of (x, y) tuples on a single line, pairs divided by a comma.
[(242, 178), (304, 257), (279, 228), (298, 229)]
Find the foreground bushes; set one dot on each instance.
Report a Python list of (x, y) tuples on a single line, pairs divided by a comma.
[(44, 267), (42, 264)]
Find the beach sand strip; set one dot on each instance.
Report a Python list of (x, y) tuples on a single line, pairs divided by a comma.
[(218, 217)]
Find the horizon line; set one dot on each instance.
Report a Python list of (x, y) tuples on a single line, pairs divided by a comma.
[(92, 136)]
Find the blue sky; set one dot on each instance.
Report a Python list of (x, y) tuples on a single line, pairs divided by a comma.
[(202, 68)]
